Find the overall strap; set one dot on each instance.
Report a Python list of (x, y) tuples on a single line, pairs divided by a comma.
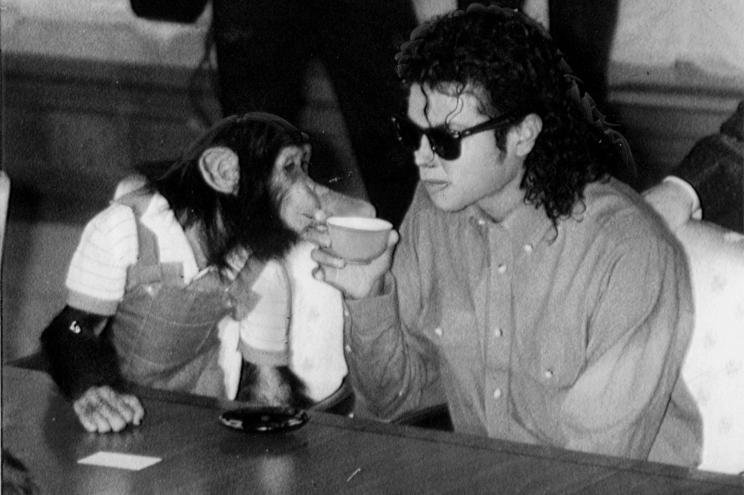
[(148, 267), (242, 287), (138, 200)]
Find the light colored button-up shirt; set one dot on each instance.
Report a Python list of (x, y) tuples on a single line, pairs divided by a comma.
[(570, 336)]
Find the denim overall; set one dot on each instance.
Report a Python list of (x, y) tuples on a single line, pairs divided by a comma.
[(164, 331)]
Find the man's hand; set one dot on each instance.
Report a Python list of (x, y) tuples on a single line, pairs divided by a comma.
[(355, 281), (102, 410), (672, 201)]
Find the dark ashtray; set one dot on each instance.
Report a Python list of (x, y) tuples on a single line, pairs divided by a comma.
[(264, 419)]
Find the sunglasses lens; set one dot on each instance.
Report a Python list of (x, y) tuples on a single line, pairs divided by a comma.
[(443, 143), (408, 134)]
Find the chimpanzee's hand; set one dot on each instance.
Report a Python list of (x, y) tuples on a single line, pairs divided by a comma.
[(103, 410), (355, 281), (333, 203), (317, 231)]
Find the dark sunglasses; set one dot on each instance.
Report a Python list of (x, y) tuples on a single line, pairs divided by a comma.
[(443, 141)]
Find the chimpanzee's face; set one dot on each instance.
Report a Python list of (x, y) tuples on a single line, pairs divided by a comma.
[(294, 189)]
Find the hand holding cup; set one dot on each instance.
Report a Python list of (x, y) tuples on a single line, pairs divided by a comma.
[(359, 254), (358, 239)]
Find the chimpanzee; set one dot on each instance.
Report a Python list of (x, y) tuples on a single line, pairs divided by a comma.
[(189, 251)]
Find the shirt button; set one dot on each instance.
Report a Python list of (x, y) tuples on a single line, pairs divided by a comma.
[(501, 268), (497, 332), (438, 331), (481, 222), (497, 393), (548, 374), (528, 248), (346, 313), (347, 348)]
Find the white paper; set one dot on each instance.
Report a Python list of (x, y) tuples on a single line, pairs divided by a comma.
[(119, 460)]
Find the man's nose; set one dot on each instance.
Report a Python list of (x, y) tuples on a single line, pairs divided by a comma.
[(424, 156)]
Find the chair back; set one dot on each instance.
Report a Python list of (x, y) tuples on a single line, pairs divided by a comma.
[(714, 365)]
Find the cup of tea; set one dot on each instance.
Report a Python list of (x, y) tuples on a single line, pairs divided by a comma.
[(358, 239)]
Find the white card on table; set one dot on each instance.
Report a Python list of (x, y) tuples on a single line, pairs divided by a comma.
[(119, 460)]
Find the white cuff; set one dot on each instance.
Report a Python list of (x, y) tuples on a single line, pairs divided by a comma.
[(696, 210)]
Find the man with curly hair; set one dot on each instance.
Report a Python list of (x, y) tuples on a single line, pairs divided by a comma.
[(536, 295)]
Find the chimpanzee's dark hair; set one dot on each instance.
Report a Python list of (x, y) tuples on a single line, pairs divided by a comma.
[(249, 219)]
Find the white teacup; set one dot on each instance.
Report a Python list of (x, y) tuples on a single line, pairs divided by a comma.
[(358, 239)]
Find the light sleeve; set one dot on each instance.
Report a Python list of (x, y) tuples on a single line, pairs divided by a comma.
[(696, 211), (392, 364), (264, 330), (96, 277), (638, 335)]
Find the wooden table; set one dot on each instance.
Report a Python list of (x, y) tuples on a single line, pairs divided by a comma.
[(330, 454)]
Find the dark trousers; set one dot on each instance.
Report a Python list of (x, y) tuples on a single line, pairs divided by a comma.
[(584, 30), (264, 46)]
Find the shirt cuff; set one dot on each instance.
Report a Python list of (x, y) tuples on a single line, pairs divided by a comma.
[(696, 210), (372, 314), (263, 357)]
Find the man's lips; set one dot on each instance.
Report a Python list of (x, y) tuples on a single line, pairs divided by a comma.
[(435, 185)]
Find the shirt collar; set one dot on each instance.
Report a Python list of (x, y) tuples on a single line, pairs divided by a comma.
[(525, 223)]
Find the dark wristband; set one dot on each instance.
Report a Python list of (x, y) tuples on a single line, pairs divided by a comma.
[(78, 358)]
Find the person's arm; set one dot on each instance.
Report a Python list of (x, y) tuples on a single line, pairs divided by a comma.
[(714, 167), (675, 200), (85, 368), (637, 336), (84, 365), (78, 358), (714, 172), (392, 365), (263, 313)]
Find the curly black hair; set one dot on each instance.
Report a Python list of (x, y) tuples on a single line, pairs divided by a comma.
[(511, 65)]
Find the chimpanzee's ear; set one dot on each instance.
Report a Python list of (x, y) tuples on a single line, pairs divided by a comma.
[(220, 169)]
